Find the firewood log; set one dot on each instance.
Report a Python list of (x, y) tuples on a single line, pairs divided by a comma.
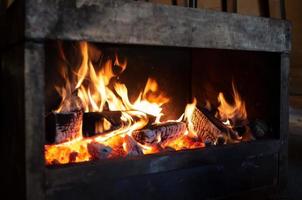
[(204, 128), (210, 129), (90, 119), (159, 133), (131, 147), (63, 126), (98, 151)]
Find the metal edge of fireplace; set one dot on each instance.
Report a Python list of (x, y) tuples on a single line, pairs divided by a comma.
[(209, 164), (130, 22), (133, 22)]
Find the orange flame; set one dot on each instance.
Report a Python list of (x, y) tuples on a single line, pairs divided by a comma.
[(93, 97), (229, 113), (93, 90), (188, 117)]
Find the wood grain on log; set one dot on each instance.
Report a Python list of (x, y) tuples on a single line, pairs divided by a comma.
[(204, 128), (210, 129), (159, 133), (90, 119), (64, 126)]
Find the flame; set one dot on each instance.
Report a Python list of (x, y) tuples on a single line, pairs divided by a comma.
[(188, 117), (102, 126), (81, 74), (97, 96), (185, 142), (64, 91), (230, 113), (95, 90)]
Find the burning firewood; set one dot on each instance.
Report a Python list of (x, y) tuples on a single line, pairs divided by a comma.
[(205, 129), (159, 133), (211, 130), (131, 147), (63, 126), (91, 119), (98, 151)]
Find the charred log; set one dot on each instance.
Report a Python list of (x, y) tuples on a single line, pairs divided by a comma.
[(91, 119), (63, 126), (210, 129), (220, 140), (98, 151), (131, 147), (205, 128), (159, 133)]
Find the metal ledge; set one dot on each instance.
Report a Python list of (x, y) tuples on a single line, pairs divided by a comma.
[(81, 173), (132, 22)]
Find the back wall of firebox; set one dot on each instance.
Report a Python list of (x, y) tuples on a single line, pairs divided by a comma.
[(181, 74)]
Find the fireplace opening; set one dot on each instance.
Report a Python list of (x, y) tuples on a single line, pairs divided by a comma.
[(110, 101)]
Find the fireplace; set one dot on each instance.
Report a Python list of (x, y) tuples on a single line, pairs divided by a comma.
[(133, 100)]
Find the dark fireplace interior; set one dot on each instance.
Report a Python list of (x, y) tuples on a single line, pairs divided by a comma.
[(181, 74)]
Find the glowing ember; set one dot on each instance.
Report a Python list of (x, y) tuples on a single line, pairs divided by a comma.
[(95, 91)]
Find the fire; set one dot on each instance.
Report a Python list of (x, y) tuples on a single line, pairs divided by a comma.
[(229, 114), (188, 117), (92, 94), (98, 90), (102, 126)]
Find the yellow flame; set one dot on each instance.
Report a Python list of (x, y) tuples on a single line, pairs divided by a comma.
[(95, 90), (81, 74), (92, 88), (229, 112), (188, 117), (103, 125)]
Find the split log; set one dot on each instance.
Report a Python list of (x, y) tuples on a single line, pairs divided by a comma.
[(133, 114), (131, 147), (228, 133), (63, 126), (90, 120), (98, 151), (71, 103), (159, 133), (206, 130)]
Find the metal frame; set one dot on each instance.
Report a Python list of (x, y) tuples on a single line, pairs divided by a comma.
[(129, 22)]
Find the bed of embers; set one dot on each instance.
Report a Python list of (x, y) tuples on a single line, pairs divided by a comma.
[(96, 120)]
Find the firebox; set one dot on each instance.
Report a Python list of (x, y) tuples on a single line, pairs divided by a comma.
[(134, 100)]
